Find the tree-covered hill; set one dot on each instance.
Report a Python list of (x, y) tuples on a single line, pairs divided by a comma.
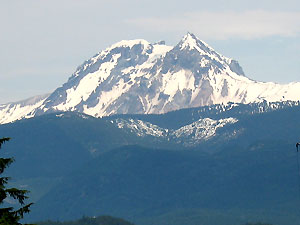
[(77, 165), (136, 183), (100, 220)]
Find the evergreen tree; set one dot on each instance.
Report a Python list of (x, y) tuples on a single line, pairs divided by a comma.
[(8, 215)]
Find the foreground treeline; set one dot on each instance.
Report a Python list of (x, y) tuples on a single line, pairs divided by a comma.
[(101, 220), (105, 220)]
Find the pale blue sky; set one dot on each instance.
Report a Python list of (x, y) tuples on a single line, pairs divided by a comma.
[(42, 42)]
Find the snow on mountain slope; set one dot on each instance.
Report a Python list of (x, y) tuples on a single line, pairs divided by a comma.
[(24, 109), (141, 128), (190, 135), (137, 77), (202, 129)]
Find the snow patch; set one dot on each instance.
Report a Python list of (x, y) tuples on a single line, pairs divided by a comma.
[(192, 134)]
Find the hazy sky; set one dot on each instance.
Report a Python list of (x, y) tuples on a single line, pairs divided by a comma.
[(43, 41)]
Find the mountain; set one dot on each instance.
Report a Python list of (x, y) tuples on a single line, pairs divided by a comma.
[(137, 77), (245, 169)]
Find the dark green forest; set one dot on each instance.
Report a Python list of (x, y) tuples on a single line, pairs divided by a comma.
[(100, 220), (105, 220)]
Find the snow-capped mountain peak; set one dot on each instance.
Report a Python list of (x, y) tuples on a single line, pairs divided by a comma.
[(137, 77), (129, 44), (190, 41)]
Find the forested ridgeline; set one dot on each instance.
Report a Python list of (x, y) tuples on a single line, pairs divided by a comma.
[(101, 220), (105, 220)]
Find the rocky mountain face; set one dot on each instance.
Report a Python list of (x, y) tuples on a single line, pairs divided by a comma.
[(137, 77)]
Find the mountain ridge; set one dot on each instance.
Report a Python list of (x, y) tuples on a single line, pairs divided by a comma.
[(137, 77)]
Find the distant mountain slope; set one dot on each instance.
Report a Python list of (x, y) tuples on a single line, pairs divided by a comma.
[(20, 110), (189, 136), (179, 118), (69, 139), (137, 77), (58, 143)]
